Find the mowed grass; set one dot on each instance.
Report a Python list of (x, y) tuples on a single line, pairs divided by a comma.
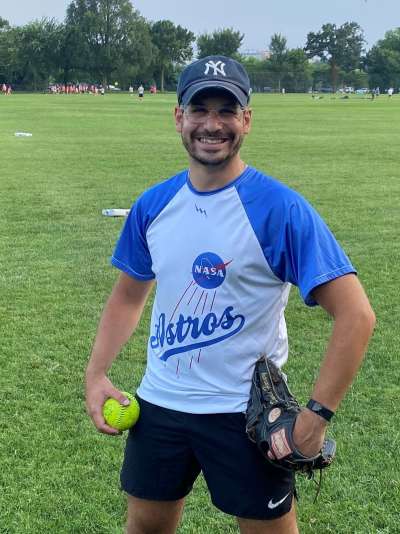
[(88, 153)]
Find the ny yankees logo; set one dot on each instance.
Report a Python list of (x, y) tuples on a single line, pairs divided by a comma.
[(217, 66)]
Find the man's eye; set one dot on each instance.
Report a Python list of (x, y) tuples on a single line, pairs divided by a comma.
[(198, 111), (226, 112)]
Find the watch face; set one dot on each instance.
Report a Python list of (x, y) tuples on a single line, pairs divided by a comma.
[(317, 408)]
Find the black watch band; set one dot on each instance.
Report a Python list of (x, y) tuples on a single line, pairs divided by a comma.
[(317, 407)]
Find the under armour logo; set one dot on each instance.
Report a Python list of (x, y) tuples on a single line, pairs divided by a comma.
[(200, 210), (217, 66)]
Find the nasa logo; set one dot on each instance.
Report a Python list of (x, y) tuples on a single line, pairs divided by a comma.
[(209, 270)]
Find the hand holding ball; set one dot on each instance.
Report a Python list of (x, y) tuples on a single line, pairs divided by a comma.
[(119, 416)]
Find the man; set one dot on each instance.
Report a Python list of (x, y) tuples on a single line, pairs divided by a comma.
[(140, 91), (224, 243)]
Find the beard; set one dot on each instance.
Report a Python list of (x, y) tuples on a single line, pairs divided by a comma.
[(213, 161)]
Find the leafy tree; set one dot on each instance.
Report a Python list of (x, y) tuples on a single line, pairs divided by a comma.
[(383, 61), (320, 75), (340, 47), (34, 53), (225, 42), (107, 35), (357, 78), (4, 24), (298, 71), (278, 46), (259, 77), (6, 48), (277, 62), (173, 44), (71, 50), (297, 74)]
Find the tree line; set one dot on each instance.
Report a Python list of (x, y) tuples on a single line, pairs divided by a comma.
[(102, 41)]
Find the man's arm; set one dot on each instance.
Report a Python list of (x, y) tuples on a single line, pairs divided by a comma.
[(354, 320), (119, 319)]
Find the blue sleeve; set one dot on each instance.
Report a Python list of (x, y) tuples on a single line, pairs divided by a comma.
[(297, 244), (131, 253)]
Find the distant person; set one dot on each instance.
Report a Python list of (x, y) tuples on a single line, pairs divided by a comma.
[(390, 92), (130, 90), (140, 91)]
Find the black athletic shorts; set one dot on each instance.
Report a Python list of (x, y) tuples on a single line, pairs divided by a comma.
[(166, 450)]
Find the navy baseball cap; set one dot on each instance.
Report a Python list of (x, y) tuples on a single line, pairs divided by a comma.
[(214, 72)]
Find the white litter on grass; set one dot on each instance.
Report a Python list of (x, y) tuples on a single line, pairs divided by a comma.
[(23, 134), (116, 212)]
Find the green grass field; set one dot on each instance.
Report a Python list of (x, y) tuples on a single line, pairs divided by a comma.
[(87, 153)]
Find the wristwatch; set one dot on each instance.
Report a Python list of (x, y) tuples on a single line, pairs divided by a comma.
[(322, 411)]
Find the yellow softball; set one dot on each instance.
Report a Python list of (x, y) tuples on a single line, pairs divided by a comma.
[(119, 416)]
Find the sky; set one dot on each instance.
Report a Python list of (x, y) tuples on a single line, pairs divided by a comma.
[(258, 20)]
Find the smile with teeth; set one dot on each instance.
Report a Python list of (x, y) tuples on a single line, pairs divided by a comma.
[(212, 140)]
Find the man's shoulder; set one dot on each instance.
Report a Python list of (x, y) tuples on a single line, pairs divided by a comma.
[(261, 186), (160, 194)]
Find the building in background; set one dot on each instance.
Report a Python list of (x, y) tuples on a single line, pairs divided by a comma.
[(257, 54)]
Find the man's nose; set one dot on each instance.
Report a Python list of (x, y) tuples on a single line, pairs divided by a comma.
[(213, 120)]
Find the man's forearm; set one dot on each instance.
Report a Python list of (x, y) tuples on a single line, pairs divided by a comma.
[(343, 357), (120, 317), (345, 300), (115, 328)]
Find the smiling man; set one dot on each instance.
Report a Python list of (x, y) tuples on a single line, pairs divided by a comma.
[(224, 243), (213, 117), (213, 146)]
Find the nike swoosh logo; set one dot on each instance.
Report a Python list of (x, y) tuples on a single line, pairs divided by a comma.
[(272, 504)]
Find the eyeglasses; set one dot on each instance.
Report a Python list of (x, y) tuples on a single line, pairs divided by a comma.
[(200, 114)]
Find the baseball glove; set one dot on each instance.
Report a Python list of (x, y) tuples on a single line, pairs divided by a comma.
[(270, 418)]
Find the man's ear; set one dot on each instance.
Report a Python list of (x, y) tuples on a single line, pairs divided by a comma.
[(247, 116), (178, 118)]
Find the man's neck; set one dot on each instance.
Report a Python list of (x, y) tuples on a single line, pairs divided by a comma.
[(209, 177)]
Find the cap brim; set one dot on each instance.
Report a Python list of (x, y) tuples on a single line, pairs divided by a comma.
[(191, 91)]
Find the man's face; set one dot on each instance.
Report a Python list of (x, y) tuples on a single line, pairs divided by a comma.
[(212, 127)]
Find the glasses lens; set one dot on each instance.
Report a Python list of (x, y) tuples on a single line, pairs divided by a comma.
[(198, 115)]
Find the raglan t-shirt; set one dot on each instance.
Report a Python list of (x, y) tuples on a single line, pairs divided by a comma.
[(224, 262)]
